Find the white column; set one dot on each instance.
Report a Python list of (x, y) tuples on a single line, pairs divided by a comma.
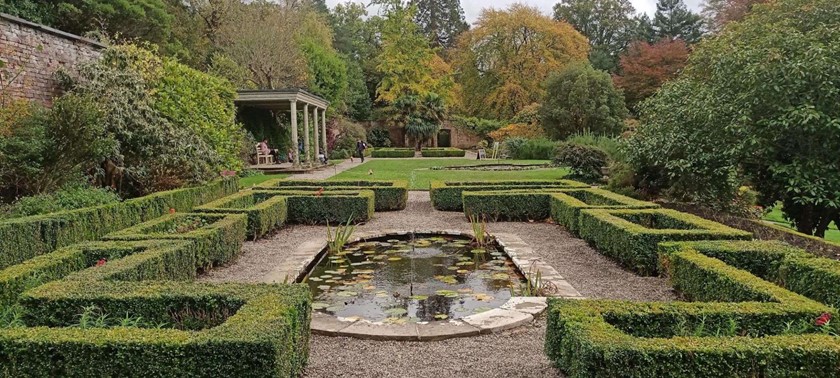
[(317, 147), (306, 125), (324, 129), (295, 153)]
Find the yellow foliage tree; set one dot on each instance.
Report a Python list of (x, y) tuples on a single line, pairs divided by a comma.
[(503, 61), (520, 130)]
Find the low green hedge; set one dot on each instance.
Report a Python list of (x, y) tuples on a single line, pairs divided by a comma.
[(447, 196), (631, 236), (331, 206), (509, 205), (388, 195), (24, 238), (265, 334), (218, 239), (789, 267), (392, 153), (145, 259), (442, 152), (566, 205), (264, 213)]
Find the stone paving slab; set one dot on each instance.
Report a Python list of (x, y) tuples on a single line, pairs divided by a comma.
[(435, 331), (528, 305), (498, 319), (364, 329)]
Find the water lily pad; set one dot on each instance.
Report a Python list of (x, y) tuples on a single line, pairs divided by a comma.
[(315, 279), (397, 311), (347, 294), (500, 276), (419, 297), (483, 297), (320, 305), (465, 290), (453, 268), (394, 258), (447, 279), (441, 316), (324, 287), (464, 263), (478, 250), (326, 276), (462, 271), (447, 293)]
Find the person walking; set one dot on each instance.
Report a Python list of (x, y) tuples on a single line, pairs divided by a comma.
[(361, 146)]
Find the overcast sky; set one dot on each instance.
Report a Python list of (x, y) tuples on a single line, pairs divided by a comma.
[(473, 7)]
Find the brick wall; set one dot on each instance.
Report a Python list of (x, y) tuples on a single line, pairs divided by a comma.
[(33, 53)]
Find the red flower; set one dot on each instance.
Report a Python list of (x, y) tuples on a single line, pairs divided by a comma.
[(101, 262), (171, 210), (823, 319)]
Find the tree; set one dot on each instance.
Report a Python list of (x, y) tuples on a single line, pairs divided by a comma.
[(503, 61), (673, 20), (421, 116), (326, 70), (718, 13), (441, 21), (643, 29), (757, 104), (645, 67), (581, 98), (608, 24)]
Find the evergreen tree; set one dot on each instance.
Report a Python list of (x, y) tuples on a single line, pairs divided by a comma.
[(673, 20), (608, 24), (440, 20)]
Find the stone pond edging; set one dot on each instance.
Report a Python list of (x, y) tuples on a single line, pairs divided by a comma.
[(515, 312)]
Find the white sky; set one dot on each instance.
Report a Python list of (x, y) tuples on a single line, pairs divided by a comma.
[(473, 7)]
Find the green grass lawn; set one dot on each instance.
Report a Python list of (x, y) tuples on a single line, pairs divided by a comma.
[(419, 174), (247, 182), (775, 215)]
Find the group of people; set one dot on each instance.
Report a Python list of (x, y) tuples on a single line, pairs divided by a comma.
[(361, 146)]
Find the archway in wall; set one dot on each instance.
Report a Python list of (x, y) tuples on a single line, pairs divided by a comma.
[(444, 138)]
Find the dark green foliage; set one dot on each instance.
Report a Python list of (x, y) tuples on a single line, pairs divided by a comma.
[(70, 197), (673, 20), (442, 152), (585, 161), (608, 24), (631, 236), (529, 149), (265, 213), (566, 205), (447, 196), (479, 126), (421, 116), (27, 237), (217, 237), (441, 21), (379, 137), (580, 99), (513, 205), (389, 195), (333, 206), (392, 152)]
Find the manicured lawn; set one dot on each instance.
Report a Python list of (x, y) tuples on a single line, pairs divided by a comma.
[(775, 215), (247, 182), (418, 172)]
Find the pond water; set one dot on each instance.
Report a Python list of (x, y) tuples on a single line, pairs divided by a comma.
[(405, 279)]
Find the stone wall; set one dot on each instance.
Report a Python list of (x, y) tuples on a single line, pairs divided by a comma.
[(32, 53), (459, 138)]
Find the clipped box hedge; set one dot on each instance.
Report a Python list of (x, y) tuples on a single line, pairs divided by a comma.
[(218, 241), (266, 332), (631, 236), (447, 195), (392, 153), (566, 205), (388, 195), (333, 206), (442, 152), (512, 205), (744, 331), (264, 212), (24, 238)]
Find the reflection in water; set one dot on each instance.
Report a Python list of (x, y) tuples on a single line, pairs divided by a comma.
[(398, 280)]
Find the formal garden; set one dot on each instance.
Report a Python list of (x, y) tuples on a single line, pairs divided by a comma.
[(319, 189)]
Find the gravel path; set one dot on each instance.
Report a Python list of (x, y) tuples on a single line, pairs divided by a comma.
[(515, 353)]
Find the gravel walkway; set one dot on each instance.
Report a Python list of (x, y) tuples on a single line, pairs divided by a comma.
[(515, 353)]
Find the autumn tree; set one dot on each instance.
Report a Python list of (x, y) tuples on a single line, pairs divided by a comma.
[(673, 20), (718, 13), (608, 24), (326, 70), (644, 67), (357, 38), (441, 21), (503, 61)]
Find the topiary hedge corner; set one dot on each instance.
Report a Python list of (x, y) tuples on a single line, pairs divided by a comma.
[(24, 238), (448, 195), (333, 206), (388, 195), (631, 236), (264, 212), (218, 237), (392, 153), (566, 205), (442, 152)]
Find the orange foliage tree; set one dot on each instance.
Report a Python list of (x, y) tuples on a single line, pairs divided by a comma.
[(503, 61), (645, 67)]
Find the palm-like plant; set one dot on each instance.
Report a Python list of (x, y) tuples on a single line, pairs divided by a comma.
[(421, 116)]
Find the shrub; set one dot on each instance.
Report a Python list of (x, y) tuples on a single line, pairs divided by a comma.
[(265, 213), (566, 205), (631, 236), (585, 162), (447, 196), (26, 237), (70, 197), (479, 126), (346, 135), (393, 153), (379, 137), (389, 195), (507, 205), (442, 152), (529, 149), (329, 206), (517, 130)]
